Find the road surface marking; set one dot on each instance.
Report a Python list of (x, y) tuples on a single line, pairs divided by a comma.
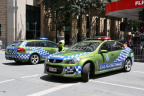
[(50, 90), (138, 71), (118, 85), (7, 80), (31, 76)]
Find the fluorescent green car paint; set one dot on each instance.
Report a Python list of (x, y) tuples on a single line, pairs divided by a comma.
[(88, 52), (42, 48)]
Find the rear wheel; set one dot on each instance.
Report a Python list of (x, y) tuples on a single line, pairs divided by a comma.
[(34, 59), (86, 72), (127, 65)]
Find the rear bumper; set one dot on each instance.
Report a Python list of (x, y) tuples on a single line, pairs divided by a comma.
[(17, 57)]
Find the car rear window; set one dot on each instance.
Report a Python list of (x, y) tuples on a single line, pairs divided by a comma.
[(16, 43)]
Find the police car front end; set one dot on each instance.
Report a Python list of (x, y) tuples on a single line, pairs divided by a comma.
[(65, 68)]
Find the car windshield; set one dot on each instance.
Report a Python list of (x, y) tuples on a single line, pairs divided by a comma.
[(84, 46), (16, 43)]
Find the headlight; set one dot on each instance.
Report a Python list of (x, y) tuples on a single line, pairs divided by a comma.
[(73, 61)]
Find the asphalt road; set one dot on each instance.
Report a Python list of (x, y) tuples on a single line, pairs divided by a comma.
[(29, 80)]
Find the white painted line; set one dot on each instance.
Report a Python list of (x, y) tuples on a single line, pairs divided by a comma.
[(31, 76), (7, 81), (50, 90), (118, 85), (137, 71)]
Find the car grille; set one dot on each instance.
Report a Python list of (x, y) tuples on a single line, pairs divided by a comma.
[(55, 60), (58, 68)]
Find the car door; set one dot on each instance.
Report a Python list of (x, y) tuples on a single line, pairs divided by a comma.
[(117, 51), (107, 57)]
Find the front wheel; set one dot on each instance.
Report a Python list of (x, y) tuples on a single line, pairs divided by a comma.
[(34, 59), (127, 65), (85, 72)]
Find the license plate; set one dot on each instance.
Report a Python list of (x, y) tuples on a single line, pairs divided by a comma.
[(10, 50), (52, 69)]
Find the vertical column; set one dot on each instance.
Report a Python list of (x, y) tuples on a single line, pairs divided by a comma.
[(112, 29), (108, 24), (105, 27), (92, 26), (3, 21), (101, 26), (82, 27), (42, 33), (73, 32)]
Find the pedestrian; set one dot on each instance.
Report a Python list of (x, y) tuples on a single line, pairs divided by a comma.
[(131, 43), (137, 42), (126, 41), (61, 43)]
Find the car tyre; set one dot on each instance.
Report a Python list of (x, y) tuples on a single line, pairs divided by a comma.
[(34, 59), (85, 72), (127, 65)]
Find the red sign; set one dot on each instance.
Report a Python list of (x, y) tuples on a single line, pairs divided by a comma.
[(123, 5)]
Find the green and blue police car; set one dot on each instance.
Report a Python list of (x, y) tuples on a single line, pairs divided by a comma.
[(90, 57), (32, 51)]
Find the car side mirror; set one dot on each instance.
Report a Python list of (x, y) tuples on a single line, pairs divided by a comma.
[(103, 51)]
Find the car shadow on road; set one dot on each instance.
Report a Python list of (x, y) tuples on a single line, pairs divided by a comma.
[(18, 64), (58, 79)]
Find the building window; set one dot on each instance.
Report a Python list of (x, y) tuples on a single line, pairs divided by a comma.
[(32, 22)]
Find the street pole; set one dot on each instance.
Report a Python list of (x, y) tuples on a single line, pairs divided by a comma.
[(35, 29)]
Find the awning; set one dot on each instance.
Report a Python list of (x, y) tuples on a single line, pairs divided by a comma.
[(125, 9)]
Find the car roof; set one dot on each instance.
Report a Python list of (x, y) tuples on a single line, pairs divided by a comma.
[(35, 40), (92, 41)]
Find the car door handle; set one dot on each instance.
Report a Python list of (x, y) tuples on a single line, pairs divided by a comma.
[(112, 54)]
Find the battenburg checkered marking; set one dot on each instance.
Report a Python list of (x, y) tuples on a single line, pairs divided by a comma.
[(78, 69), (123, 55)]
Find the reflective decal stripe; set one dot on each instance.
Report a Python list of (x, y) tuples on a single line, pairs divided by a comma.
[(64, 57)]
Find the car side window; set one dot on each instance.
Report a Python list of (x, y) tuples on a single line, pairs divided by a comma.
[(30, 44), (51, 44), (40, 44), (117, 46), (106, 46)]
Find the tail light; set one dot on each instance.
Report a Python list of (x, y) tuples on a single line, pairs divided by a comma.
[(20, 50)]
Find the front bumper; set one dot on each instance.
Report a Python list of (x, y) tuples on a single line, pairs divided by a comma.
[(63, 70)]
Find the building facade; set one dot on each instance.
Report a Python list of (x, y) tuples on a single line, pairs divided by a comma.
[(25, 19)]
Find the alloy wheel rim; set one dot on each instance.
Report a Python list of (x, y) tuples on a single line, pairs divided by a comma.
[(34, 59), (128, 65)]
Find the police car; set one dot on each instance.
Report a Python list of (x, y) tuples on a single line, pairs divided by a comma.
[(90, 57), (32, 51)]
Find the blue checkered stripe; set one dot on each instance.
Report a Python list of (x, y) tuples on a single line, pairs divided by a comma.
[(123, 55), (64, 57), (23, 43), (19, 56), (10, 56), (23, 56), (78, 69), (43, 53)]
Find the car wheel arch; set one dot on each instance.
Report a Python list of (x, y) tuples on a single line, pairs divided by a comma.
[(92, 67), (129, 58)]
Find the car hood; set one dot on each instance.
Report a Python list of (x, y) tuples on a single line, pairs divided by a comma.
[(67, 55)]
